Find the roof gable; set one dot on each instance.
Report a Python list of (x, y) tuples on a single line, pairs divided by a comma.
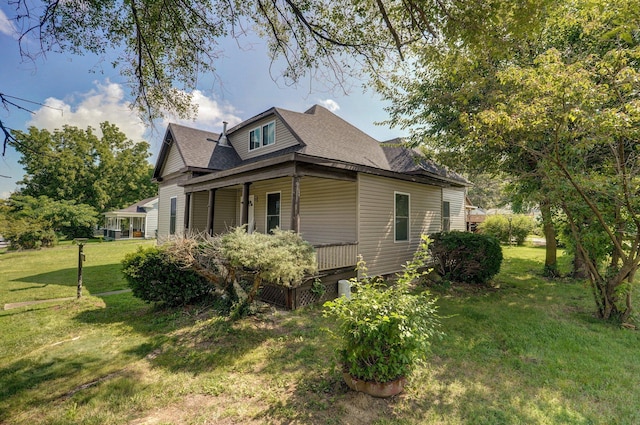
[(198, 149)]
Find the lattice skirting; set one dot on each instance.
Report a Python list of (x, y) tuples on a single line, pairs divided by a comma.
[(301, 296)]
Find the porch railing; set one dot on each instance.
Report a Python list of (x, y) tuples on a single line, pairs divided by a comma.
[(336, 255)]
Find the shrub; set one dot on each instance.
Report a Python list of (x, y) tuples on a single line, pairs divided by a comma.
[(385, 329), (28, 233), (501, 227), (466, 257), (156, 276)]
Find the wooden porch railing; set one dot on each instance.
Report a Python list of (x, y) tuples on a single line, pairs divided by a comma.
[(336, 255)]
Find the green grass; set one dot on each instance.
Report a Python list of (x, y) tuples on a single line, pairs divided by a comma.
[(527, 351), (53, 273)]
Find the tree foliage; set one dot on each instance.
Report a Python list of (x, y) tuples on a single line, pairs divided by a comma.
[(29, 222), (71, 164), (158, 45), (559, 107)]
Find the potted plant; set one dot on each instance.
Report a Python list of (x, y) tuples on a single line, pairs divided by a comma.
[(385, 328)]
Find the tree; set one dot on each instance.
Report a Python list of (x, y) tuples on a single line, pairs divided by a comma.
[(556, 106), (580, 98), (453, 79), (29, 222), (159, 44), (75, 165)]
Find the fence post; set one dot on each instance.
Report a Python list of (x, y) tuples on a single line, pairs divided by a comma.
[(81, 258)]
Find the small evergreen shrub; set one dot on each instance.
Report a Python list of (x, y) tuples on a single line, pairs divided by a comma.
[(466, 257), (500, 228), (155, 276)]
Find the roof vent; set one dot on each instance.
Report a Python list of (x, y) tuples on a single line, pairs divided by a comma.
[(223, 137)]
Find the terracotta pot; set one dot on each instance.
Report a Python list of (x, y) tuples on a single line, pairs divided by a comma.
[(375, 389)]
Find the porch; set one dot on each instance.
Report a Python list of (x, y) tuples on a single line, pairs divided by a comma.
[(322, 208), (124, 227)]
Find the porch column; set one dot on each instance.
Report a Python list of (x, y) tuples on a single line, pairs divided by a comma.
[(210, 208), (244, 211), (295, 204), (187, 211)]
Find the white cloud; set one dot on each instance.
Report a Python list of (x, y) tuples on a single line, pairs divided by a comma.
[(330, 104), (6, 26), (104, 103), (5, 195), (210, 114)]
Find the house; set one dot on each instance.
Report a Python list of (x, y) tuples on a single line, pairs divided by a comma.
[(139, 220), (312, 173)]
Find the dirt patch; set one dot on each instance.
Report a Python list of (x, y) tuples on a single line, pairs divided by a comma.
[(202, 409), (362, 409)]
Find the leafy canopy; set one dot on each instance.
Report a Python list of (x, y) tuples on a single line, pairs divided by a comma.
[(107, 172)]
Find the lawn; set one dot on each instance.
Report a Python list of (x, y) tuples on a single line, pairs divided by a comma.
[(527, 351)]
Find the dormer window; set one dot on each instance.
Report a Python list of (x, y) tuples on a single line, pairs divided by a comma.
[(262, 136)]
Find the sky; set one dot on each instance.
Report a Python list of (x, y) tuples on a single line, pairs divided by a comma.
[(84, 91)]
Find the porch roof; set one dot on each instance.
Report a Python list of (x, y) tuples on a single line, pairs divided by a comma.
[(297, 164), (134, 210)]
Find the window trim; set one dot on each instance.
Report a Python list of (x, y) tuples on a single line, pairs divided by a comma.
[(395, 217), (261, 143), (266, 211), (448, 218), (173, 215)]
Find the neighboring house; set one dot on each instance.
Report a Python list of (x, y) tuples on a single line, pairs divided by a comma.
[(139, 220), (312, 173)]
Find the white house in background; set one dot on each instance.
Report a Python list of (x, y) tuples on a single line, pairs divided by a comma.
[(313, 173), (139, 221)]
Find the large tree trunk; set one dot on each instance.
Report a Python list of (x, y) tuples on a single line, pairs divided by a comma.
[(550, 260), (580, 269)]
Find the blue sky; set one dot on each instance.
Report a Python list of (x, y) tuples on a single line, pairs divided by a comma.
[(84, 91)]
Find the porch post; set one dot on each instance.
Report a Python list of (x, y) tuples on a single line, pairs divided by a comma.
[(295, 204), (210, 208), (244, 211), (187, 210)]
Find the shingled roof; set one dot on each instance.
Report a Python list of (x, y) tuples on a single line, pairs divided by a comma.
[(320, 134), (198, 149)]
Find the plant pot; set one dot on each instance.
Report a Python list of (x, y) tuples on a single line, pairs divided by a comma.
[(375, 389)]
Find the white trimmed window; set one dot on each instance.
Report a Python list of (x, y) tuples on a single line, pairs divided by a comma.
[(273, 211), (173, 210), (446, 216), (401, 213), (262, 136)]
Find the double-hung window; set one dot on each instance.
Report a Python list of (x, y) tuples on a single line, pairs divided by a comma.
[(446, 216), (262, 136), (401, 217), (273, 211), (173, 209)]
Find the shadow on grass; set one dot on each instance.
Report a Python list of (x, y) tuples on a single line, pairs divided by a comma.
[(29, 384), (27, 374), (95, 278)]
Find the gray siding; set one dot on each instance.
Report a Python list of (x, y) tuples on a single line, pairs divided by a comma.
[(151, 223), (166, 191), (199, 211), (226, 210), (173, 162), (260, 190), (455, 196), (240, 139), (376, 222), (328, 210)]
